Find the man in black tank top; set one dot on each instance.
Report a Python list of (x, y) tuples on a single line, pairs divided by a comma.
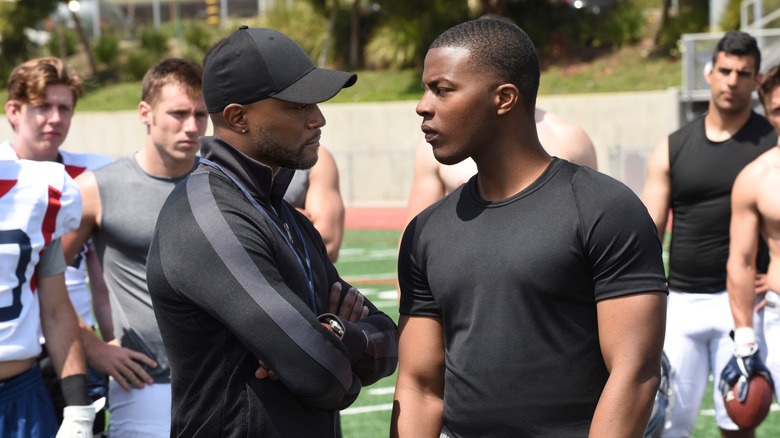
[(691, 172)]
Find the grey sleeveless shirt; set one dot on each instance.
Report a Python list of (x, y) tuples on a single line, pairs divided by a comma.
[(131, 200), (296, 191)]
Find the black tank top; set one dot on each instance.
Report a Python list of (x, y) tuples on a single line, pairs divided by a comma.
[(702, 173)]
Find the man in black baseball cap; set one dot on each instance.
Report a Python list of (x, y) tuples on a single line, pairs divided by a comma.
[(254, 64), (237, 276)]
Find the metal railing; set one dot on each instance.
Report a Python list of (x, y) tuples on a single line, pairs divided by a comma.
[(755, 20), (697, 51)]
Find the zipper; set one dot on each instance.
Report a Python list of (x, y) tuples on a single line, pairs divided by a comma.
[(289, 235)]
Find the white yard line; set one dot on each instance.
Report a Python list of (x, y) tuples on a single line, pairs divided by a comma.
[(366, 409), (382, 391), (354, 255), (711, 412), (368, 277)]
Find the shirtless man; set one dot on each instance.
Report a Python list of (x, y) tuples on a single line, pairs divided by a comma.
[(755, 208), (432, 180)]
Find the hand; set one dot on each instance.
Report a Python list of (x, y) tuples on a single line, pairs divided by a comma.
[(740, 369), (761, 284), (123, 364), (352, 308), (762, 287), (77, 422), (264, 371)]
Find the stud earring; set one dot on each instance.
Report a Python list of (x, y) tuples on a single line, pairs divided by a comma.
[(243, 131)]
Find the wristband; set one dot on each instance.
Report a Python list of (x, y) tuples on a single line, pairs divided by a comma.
[(744, 336), (74, 390)]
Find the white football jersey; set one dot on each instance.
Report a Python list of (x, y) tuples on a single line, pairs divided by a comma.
[(39, 202), (7, 152), (76, 274)]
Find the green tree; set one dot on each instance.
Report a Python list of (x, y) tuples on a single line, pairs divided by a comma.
[(406, 28), (15, 16), (492, 7)]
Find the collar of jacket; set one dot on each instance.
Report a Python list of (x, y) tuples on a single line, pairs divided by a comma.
[(255, 176)]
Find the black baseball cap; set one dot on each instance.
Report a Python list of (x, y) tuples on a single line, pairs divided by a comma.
[(254, 64)]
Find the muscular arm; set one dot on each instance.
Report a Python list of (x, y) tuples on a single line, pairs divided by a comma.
[(564, 139), (631, 333), (60, 327), (99, 291), (324, 206), (419, 390), (581, 150), (90, 217), (427, 186), (657, 192), (743, 247)]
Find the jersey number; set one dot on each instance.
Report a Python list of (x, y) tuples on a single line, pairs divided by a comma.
[(18, 237)]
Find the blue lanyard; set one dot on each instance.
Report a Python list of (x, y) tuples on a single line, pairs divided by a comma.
[(306, 268)]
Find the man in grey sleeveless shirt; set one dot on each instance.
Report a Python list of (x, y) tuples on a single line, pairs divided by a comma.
[(315, 193), (120, 209)]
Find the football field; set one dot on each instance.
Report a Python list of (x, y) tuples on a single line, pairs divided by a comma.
[(368, 261)]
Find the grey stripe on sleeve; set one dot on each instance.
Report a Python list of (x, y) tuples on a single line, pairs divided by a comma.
[(244, 270)]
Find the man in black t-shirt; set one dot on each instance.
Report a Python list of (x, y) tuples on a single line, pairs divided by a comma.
[(692, 172), (532, 297)]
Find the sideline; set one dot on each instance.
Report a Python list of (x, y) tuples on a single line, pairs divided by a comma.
[(386, 218)]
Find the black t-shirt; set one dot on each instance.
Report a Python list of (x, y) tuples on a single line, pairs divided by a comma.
[(516, 284), (702, 173)]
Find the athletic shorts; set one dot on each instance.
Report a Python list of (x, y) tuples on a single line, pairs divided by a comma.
[(772, 336), (26, 410), (142, 413), (698, 345)]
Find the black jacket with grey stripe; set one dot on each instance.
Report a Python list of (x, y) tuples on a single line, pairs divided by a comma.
[(228, 289)]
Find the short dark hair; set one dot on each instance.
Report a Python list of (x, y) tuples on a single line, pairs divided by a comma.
[(768, 84), (182, 72), (502, 50), (740, 44)]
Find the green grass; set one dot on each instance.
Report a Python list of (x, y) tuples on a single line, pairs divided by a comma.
[(117, 97), (706, 427), (620, 70), (382, 86), (366, 255), (372, 254)]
